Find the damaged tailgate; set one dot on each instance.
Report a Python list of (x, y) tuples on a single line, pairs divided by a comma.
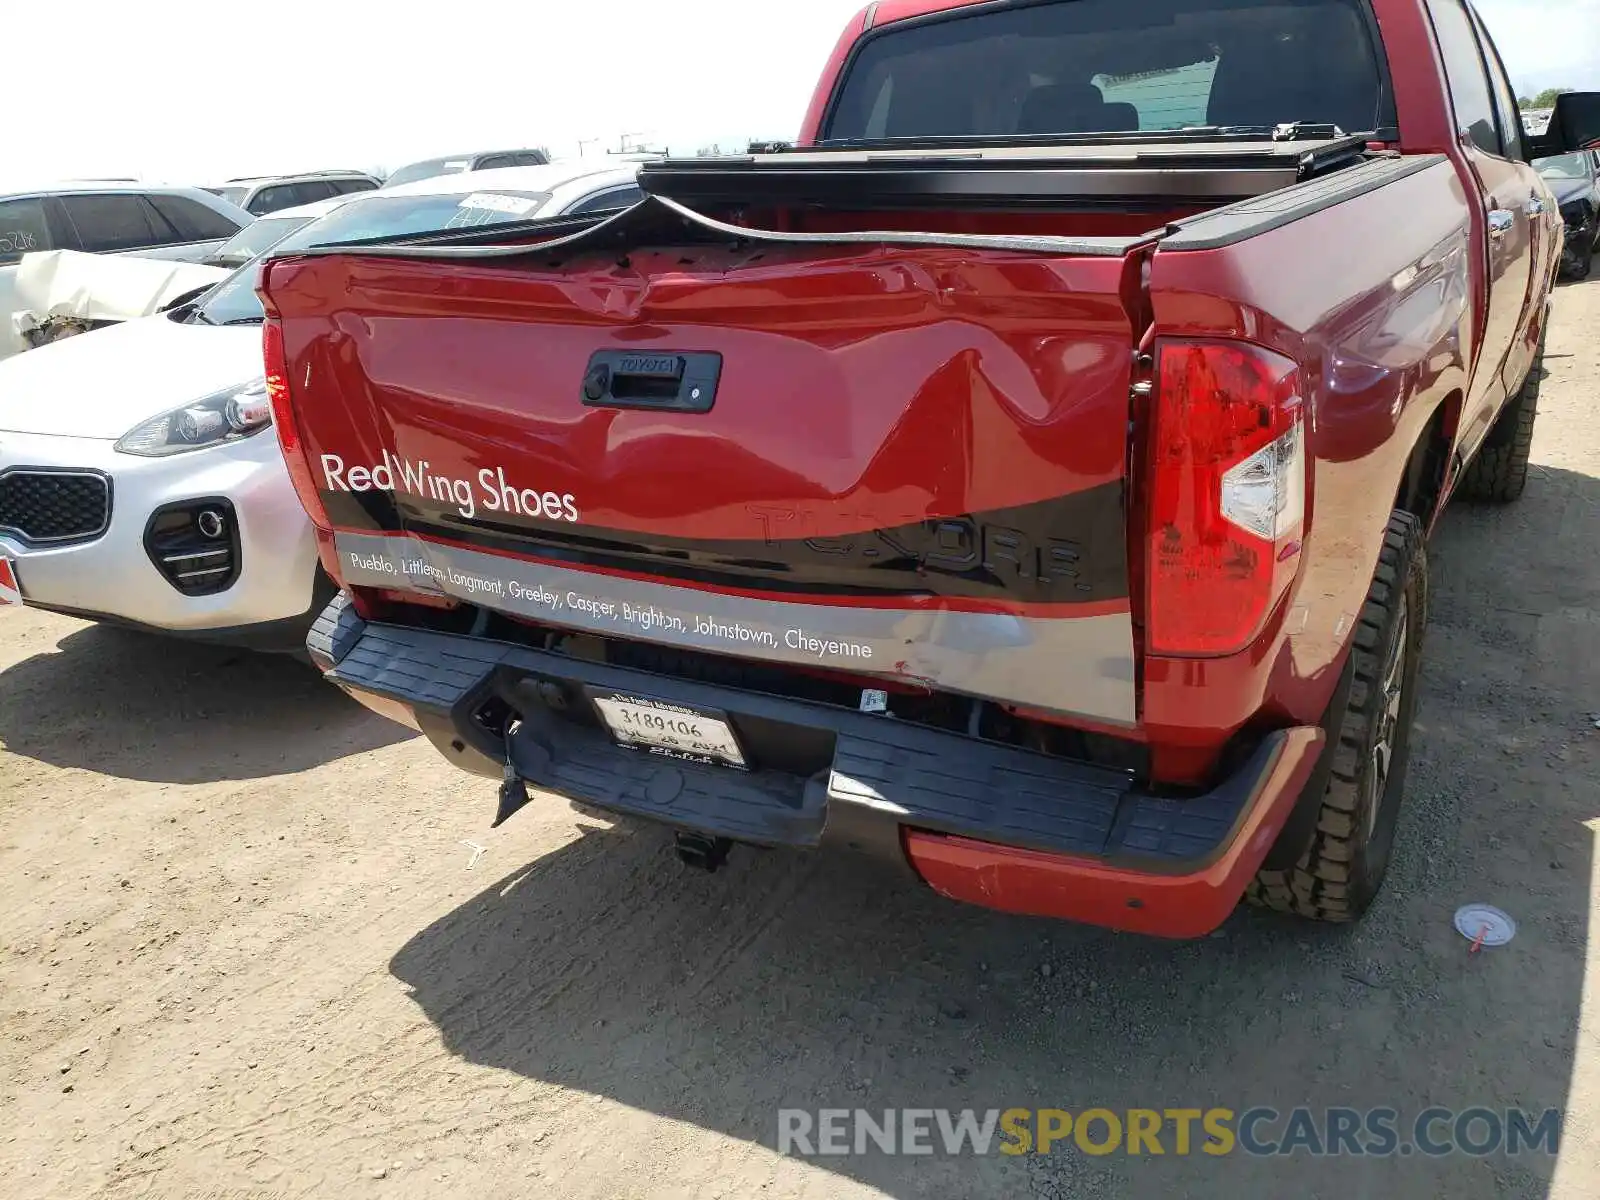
[(896, 455)]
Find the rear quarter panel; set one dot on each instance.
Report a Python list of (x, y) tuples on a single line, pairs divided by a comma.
[(1372, 297)]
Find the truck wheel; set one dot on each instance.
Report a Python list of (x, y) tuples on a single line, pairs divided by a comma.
[(1500, 471), (1338, 875)]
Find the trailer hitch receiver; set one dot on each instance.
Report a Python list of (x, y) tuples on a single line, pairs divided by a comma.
[(702, 851)]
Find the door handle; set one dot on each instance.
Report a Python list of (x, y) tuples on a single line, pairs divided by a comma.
[(1535, 206), (1500, 222)]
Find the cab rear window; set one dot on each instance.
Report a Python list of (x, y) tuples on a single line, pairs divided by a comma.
[(1108, 66)]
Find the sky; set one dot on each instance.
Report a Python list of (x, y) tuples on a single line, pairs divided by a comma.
[(195, 92)]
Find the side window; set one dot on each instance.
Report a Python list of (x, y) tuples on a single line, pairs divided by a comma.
[(343, 187), (309, 191), (271, 199), (531, 159), (607, 201), (22, 229), (1505, 100), (111, 222), (1463, 67), (490, 162), (166, 232), (193, 220)]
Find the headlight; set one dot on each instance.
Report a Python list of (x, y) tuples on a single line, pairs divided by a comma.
[(224, 416)]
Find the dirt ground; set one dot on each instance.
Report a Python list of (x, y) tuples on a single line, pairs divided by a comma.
[(244, 949)]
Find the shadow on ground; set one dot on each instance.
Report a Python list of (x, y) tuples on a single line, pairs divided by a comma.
[(137, 706), (806, 982)]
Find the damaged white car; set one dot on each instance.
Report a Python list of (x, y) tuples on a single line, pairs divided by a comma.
[(114, 219), (60, 293)]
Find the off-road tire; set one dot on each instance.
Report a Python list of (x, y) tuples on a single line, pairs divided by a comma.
[(1500, 471), (1338, 875)]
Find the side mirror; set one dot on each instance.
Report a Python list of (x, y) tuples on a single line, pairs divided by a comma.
[(1574, 125)]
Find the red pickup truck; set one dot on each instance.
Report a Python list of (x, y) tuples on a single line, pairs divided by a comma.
[(1025, 478)]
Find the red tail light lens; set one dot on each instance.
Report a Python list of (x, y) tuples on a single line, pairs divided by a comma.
[(1227, 495), (276, 364), (283, 420)]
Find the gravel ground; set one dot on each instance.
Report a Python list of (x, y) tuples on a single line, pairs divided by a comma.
[(246, 952)]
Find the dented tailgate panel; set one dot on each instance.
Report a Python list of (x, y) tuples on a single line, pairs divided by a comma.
[(912, 465)]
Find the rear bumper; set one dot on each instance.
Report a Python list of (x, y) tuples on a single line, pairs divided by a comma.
[(978, 821)]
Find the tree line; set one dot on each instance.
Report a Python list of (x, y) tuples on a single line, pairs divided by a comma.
[(1544, 99)]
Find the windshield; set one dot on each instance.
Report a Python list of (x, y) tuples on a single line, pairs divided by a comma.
[(255, 238), (1563, 166), (427, 170), (1108, 67), (374, 215)]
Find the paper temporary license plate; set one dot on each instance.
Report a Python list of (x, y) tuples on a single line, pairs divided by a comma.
[(10, 589), (661, 727)]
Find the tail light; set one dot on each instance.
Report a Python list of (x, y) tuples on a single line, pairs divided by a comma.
[(283, 420), (276, 363), (1227, 495)]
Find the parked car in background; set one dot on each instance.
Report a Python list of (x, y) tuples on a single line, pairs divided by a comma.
[(106, 217), (455, 164), (135, 485), (565, 188), (262, 194), (265, 232), (1574, 180), (569, 188)]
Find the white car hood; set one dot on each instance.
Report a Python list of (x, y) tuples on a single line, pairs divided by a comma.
[(102, 384)]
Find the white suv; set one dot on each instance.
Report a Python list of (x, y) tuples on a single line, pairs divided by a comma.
[(179, 223), (263, 194)]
